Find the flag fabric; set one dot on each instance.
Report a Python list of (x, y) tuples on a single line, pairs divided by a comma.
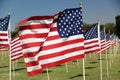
[(112, 39), (4, 22), (92, 39), (102, 41), (16, 49), (106, 45), (4, 48), (48, 41)]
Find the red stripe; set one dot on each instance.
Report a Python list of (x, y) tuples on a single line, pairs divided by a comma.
[(35, 72), (3, 40), (96, 50), (27, 36), (96, 45), (92, 41), (3, 34), (16, 58), (35, 18), (34, 26), (33, 44)]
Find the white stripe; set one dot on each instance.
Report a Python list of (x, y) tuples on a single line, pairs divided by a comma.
[(32, 22), (18, 45), (15, 53), (19, 48), (91, 49), (15, 40), (86, 41), (4, 42), (5, 32), (32, 40), (33, 68), (15, 57), (91, 44), (32, 49), (3, 37), (34, 31)]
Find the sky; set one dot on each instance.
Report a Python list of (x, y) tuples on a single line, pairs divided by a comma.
[(104, 10)]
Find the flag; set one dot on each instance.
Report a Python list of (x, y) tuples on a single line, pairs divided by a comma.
[(4, 48), (16, 49), (48, 41), (4, 22), (92, 39), (102, 41), (105, 44), (112, 39), (108, 43)]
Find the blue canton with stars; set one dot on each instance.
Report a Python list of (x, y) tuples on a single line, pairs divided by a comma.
[(92, 32), (102, 35), (107, 36), (70, 22), (4, 23)]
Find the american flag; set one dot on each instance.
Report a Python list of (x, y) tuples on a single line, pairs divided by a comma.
[(16, 49), (105, 42), (3, 48), (92, 39), (48, 41), (112, 39), (108, 43), (102, 41), (4, 22)]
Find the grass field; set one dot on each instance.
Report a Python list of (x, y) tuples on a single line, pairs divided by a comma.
[(92, 67)]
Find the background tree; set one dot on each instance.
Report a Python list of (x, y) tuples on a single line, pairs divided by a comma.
[(15, 32), (117, 27)]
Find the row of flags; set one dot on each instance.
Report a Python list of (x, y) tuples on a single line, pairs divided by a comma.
[(47, 41)]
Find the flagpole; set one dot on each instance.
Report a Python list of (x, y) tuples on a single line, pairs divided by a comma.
[(100, 52), (66, 66), (106, 58), (81, 4), (48, 77), (9, 39), (83, 69)]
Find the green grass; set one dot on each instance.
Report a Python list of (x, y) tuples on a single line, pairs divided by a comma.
[(92, 65)]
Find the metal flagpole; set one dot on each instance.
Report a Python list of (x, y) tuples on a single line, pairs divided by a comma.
[(13, 63), (106, 58), (81, 4), (48, 77), (100, 66), (66, 66), (9, 39), (100, 52), (83, 69), (107, 64)]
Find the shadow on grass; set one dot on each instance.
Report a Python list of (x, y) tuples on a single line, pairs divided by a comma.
[(78, 75), (4, 66), (21, 62), (49, 71), (99, 59), (60, 65), (19, 69), (93, 62), (118, 71), (90, 67), (74, 61)]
